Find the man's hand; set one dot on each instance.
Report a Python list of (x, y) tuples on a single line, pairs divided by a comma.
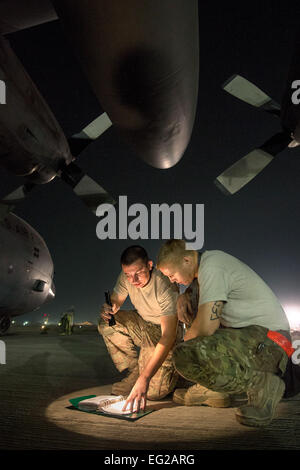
[(116, 301), (184, 309), (107, 311), (137, 398)]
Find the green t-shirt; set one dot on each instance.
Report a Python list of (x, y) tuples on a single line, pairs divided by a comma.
[(248, 299)]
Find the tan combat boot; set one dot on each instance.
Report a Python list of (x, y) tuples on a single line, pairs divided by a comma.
[(198, 395), (124, 386), (264, 394)]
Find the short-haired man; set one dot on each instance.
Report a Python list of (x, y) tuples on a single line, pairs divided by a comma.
[(239, 339), (153, 327)]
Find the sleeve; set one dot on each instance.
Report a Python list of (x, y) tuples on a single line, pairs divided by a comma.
[(213, 285), (121, 288), (167, 299)]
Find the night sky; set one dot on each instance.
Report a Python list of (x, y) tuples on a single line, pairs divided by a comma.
[(259, 225)]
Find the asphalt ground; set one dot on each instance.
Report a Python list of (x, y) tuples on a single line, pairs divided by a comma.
[(43, 371)]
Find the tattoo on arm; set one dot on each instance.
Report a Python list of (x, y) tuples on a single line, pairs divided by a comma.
[(216, 311)]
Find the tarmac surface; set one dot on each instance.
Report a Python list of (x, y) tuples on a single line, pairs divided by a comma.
[(43, 371)]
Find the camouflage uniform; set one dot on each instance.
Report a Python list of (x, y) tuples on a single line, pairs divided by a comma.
[(131, 332), (70, 322), (227, 360), (67, 322)]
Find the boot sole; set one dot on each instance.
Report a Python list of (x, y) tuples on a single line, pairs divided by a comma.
[(238, 400), (256, 422), (252, 422)]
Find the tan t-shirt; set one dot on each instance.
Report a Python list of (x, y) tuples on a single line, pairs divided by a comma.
[(158, 298)]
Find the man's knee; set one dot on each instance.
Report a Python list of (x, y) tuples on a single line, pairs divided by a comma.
[(104, 329), (191, 359), (179, 357), (155, 395), (163, 382), (101, 327)]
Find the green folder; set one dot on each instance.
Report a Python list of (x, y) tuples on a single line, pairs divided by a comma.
[(129, 417)]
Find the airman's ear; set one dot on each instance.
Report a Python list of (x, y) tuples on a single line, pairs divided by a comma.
[(150, 264), (186, 260)]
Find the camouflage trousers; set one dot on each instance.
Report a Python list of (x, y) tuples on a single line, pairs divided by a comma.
[(131, 332), (227, 360)]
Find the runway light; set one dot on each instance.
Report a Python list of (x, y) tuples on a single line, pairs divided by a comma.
[(293, 314)]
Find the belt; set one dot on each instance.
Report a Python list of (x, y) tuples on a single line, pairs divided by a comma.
[(282, 341)]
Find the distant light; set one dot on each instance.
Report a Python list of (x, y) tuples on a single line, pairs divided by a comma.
[(25, 323), (293, 314), (13, 322)]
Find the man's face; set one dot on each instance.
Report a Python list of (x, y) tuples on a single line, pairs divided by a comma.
[(180, 272), (138, 273)]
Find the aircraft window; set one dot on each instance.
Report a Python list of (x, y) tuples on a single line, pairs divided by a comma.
[(39, 286), (22, 230), (36, 252)]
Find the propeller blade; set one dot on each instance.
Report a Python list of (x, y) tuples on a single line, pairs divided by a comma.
[(78, 142), (246, 91), (87, 189), (93, 130), (9, 202), (249, 166)]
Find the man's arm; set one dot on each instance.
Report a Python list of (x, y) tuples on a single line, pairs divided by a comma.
[(163, 347), (138, 393), (187, 303), (207, 320)]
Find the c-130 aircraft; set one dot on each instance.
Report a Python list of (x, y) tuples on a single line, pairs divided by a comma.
[(141, 60)]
